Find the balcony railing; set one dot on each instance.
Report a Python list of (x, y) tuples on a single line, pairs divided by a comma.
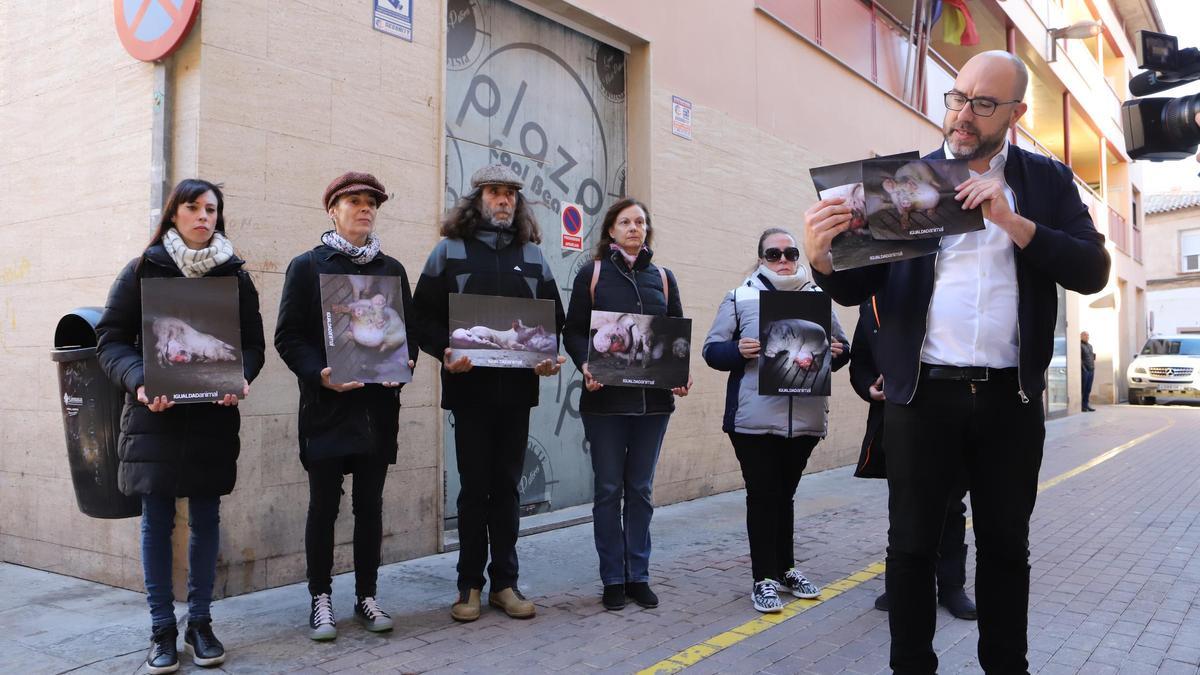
[(1118, 231)]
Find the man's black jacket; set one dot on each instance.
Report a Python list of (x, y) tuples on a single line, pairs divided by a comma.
[(1066, 250)]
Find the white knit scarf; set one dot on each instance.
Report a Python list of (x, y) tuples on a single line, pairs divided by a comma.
[(197, 262), (785, 282)]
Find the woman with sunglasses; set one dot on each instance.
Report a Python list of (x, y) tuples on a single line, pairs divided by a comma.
[(773, 436)]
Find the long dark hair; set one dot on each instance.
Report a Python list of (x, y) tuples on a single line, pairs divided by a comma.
[(467, 215), (610, 218), (187, 190)]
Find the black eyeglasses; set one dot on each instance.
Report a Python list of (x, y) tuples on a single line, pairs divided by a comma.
[(773, 254), (983, 107)]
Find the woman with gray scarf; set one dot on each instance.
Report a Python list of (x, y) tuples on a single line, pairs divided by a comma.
[(347, 428), (773, 436)]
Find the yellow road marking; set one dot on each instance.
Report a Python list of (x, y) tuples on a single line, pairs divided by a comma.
[(697, 653)]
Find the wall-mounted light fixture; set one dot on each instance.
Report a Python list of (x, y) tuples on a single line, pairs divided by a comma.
[(1080, 30)]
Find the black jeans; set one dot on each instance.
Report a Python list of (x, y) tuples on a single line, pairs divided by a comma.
[(984, 430), (771, 468), (324, 498), (490, 446)]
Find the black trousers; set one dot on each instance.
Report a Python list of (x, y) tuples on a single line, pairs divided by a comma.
[(771, 468), (324, 498), (490, 446), (985, 431), (951, 567)]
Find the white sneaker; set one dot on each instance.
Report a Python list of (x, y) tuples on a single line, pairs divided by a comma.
[(765, 597), (800, 587)]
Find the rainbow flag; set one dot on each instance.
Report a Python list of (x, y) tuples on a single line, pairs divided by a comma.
[(958, 27)]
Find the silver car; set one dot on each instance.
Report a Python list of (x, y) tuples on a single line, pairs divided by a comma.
[(1167, 367)]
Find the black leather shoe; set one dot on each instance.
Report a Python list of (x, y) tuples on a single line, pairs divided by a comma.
[(881, 603), (163, 657), (956, 600), (640, 592), (206, 650), (614, 597)]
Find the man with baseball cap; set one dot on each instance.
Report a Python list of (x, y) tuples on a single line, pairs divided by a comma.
[(490, 248)]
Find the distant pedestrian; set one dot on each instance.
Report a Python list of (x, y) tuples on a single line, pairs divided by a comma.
[(1087, 369)]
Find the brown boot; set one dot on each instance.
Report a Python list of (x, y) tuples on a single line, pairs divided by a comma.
[(512, 602), (467, 607)]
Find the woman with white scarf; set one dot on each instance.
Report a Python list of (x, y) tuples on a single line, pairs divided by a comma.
[(773, 436), (169, 451), (347, 428)]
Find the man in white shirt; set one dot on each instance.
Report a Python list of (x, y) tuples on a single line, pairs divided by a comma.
[(964, 341)]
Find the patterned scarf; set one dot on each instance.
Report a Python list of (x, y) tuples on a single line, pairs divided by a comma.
[(359, 255), (197, 262), (629, 259)]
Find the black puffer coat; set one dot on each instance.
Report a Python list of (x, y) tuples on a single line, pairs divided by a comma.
[(189, 450), (361, 421)]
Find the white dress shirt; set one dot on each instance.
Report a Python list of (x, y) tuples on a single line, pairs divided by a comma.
[(973, 312)]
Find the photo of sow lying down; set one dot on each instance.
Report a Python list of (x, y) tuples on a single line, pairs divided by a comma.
[(639, 350), (191, 339), (499, 332), (365, 335), (794, 333)]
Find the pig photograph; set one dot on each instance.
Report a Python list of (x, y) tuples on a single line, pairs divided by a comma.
[(639, 350), (191, 338), (501, 332), (856, 247), (914, 199), (795, 359), (365, 336)]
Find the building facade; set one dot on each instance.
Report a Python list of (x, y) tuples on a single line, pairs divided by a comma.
[(1173, 263), (711, 112)]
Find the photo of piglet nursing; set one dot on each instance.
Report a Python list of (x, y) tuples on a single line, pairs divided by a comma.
[(191, 339), (915, 199), (639, 350), (795, 358), (365, 336), (501, 332)]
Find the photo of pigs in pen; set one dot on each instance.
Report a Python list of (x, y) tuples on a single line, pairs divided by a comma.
[(499, 332), (365, 336), (856, 247), (639, 350), (794, 333), (191, 339), (914, 199)]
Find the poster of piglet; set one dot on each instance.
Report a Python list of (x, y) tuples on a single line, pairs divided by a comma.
[(795, 358), (191, 339), (365, 336)]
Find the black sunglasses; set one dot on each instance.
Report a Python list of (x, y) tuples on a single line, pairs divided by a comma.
[(773, 254)]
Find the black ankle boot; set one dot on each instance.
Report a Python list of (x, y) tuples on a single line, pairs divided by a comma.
[(614, 597), (640, 592), (163, 657), (956, 600)]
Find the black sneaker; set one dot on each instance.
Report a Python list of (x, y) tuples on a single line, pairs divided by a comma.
[(199, 641), (614, 597), (368, 613), (321, 624), (641, 594), (163, 657)]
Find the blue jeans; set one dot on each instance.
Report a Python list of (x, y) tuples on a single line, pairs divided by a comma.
[(158, 519), (1087, 376), (624, 452)]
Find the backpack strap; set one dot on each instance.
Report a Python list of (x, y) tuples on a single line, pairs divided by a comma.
[(662, 273), (595, 279)]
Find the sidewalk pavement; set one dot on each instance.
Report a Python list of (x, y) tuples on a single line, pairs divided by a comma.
[(1115, 587)]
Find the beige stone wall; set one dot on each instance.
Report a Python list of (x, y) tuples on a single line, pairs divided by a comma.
[(1161, 242), (75, 111)]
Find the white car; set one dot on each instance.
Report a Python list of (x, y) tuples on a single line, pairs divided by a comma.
[(1168, 367)]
